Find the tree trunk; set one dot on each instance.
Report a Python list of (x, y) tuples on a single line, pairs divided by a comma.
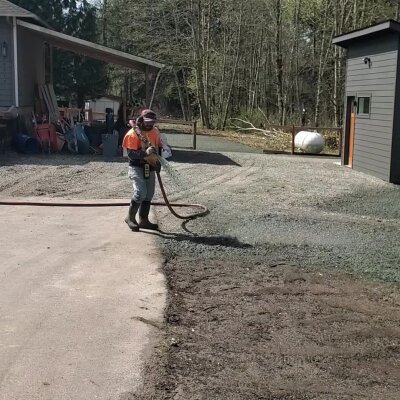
[(234, 72), (279, 63), (206, 46), (198, 61), (104, 23), (188, 104), (181, 100), (398, 10), (324, 52), (222, 90)]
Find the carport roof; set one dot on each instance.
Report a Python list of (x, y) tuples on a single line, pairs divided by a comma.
[(8, 9), (89, 49), (387, 26)]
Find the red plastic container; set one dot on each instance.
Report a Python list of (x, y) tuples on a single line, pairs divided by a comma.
[(47, 135)]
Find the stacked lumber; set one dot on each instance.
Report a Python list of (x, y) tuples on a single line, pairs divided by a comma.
[(48, 95)]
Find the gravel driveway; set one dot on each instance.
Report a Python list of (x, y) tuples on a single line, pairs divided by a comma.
[(308, 211), (287, 290)]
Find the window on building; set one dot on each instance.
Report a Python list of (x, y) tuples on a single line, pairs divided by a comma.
[(364, 105)]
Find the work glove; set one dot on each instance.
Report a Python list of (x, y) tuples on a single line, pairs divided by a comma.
[(151, 159), (151, 150)]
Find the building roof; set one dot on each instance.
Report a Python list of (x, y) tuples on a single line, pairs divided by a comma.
[(383, 27), (70, 43), (89, 49), (8, 9)]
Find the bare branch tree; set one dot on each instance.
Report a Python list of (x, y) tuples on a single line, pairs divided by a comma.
[(272, 132)]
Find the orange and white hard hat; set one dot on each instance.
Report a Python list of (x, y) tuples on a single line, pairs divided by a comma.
[(149, 116)]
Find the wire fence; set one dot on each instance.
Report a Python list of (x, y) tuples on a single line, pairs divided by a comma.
[(332, 136), (285, 141)]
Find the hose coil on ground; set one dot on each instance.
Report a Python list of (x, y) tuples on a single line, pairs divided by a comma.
[(204, 210)]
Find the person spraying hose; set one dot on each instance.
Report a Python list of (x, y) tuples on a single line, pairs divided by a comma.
[(143, 144)]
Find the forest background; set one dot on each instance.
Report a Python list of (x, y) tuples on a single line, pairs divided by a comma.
[(253, 59)]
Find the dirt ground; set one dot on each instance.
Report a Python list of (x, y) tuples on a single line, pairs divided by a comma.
[(243, 331), (289, 289)]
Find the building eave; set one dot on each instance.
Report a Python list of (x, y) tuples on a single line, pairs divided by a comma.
[(345, 39), (89, 49)]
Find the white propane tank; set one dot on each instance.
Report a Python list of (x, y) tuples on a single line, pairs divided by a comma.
[(309, 142)]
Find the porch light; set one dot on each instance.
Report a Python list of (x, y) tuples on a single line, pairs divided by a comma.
[(4, 49)]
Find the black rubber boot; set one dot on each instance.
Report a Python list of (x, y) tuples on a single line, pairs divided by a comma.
[(144, 217), (131, 218)]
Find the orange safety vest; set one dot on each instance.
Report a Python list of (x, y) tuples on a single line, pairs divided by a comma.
[(132, 141)]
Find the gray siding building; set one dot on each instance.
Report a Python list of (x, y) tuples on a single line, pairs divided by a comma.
[(372, 105), (21, 57)]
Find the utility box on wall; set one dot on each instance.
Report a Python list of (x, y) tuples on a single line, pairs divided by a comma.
[(372, 106)]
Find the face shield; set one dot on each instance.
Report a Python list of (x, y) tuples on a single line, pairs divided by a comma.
[(149, 119)]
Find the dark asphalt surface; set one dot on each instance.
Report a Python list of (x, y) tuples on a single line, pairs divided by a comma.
[(209, 143)]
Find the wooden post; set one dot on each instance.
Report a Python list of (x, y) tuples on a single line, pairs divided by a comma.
[(293, 135), (15, 57), (147, 81), (124, 96), (3, 138), (194, 135), (124, 107), (340, 142), (124, 112)]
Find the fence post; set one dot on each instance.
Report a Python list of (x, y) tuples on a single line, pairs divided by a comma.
[(194, 135), (293, 135)]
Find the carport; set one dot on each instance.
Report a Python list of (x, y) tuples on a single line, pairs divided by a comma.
[(26, 60), (93, 50), (96, 51)]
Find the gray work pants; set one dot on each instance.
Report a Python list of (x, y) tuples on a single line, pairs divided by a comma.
[(143, 189)]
